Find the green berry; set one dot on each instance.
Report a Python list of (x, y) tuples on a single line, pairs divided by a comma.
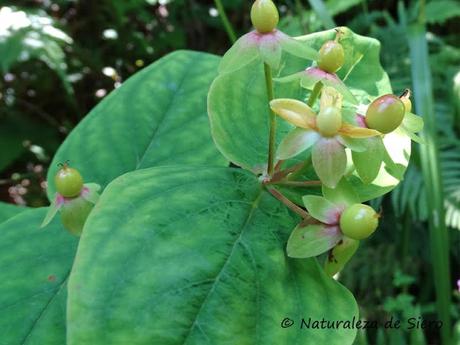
[(264, 16), (69, 182), (331, 57), (405, 98), (385, 114), (329, 121), (359, 221)]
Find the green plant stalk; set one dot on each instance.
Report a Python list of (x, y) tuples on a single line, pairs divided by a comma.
[(314, 94), (439, 237), (272, 131), (227, 25), (321, 10)]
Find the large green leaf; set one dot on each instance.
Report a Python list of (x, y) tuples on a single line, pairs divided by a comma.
[(9, 210), (35, 264), (157, 117), (183, 255)]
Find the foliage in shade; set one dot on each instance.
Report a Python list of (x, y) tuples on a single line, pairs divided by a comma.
[(193, 244), (9, 210), (157, 117), (35, 266)]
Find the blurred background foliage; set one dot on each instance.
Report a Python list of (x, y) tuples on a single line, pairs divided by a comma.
[(59, 58)]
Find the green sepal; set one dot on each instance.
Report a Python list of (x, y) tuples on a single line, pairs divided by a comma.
[(340, 255), (329, 160), (413, 123), (299, 49), (343, 194), (296, 142), (242, 53), (92, 194), (312, 240), (74, 214), (322, 209), (368, 163), (52, 210), (313, 75)]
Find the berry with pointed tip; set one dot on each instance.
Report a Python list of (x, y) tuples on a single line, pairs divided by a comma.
[(359, 221), (405, 98), (331, 57), (385, 114), (69, 182), (329, 121), (264, 16)]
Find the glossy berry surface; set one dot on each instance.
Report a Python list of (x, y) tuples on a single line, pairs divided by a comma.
[(329, 121), (69, 182), (264, 16), (359, 221), (385, 114), (331, 57)]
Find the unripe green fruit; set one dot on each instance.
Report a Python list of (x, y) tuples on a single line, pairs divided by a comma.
[(74, 214), (329, 121), (331, 57), (385, 114), (359, 221), (264, 16), (69, 182)]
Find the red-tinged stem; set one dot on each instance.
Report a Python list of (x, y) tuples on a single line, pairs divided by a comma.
[(300, 211)]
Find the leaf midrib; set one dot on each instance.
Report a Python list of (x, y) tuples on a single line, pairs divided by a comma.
[(254, 206)]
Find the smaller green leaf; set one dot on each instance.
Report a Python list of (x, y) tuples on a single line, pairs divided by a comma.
[(297, 141), (340, 255), (312, 240), (343, 194), (322, 209), (368, 163), (92, 194), (329, 160)]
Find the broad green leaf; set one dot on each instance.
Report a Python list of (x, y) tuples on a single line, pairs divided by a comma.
[(239, 115), (9, 210), (157, 117), (35, 265), (198, 245), (312, 240)]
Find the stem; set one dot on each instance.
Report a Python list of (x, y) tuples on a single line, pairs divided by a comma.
[(227, 25), (314, 94), (298, 183), (300, 211), (272, 134)]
